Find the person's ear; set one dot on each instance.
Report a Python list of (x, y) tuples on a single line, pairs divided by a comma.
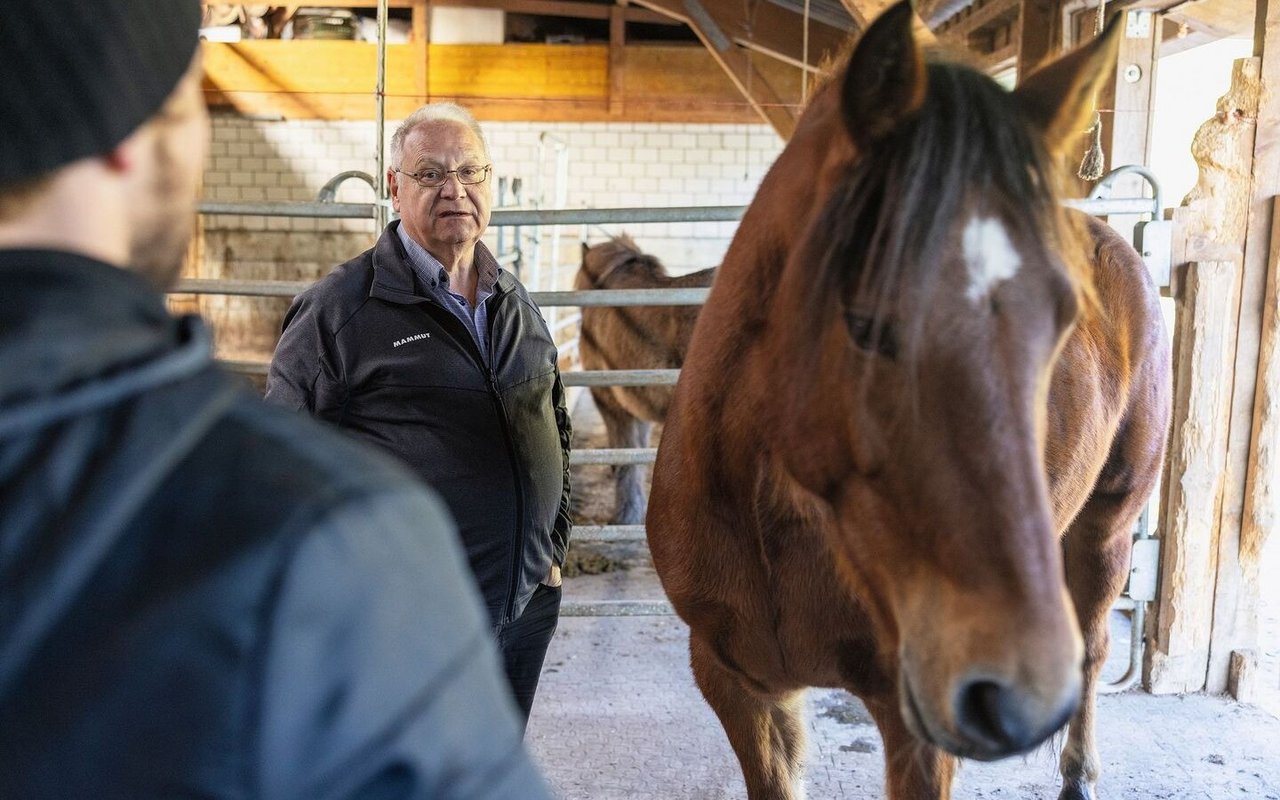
[(393, 187), (125, 156)]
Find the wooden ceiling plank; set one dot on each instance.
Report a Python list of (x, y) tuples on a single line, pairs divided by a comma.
[(735, 61), (778, 32), (554, 8)]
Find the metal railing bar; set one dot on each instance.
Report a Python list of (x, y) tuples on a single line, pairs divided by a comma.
[(595, 216), (303, 210), (238, 288), (613, 456), (597, 534), (244, 367), (579, 297), (622, 297), (598, 377), (621, 377), (1106, 206), (616, 608), (500, 218)]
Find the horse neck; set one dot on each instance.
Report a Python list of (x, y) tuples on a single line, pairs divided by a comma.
[(734, 325)]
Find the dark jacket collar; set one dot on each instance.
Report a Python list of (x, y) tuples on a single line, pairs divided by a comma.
[(393, 275), (74, 328)]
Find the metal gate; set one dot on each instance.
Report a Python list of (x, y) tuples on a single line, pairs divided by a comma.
[(1152, 240)]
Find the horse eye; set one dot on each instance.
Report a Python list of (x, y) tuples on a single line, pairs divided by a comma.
[(872, 336)]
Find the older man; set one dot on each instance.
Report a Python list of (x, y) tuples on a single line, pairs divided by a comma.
[(424, 346), (200, 596)]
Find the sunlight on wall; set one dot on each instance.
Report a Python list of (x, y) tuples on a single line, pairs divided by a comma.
[(1187, 90)]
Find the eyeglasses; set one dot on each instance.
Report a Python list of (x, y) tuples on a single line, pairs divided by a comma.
[(432, 177)]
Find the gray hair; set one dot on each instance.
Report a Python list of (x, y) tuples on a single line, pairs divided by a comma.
[(433, 112)]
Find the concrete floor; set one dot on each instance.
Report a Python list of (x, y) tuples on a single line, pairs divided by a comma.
[(618, 715)]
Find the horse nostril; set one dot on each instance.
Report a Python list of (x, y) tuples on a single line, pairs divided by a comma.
[(997, 720)]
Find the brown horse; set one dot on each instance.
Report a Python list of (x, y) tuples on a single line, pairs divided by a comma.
[(632, 337), (921, 412)]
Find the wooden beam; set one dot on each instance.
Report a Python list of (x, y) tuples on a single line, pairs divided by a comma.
[(551, 8), (530, 82), (1235, 624), (617, 58), (422, 50), (864, 11), (710, 25), (1211, 234), (1261, 514), (1130, 96), (778, 32), (1039, 34), (978, 15), (1193, 480), (564, 8)]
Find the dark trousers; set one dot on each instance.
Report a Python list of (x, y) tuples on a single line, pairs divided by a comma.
[(523, 643)]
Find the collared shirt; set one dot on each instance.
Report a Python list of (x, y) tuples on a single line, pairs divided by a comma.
[(435, 281)]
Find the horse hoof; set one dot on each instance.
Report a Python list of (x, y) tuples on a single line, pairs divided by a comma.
[(1077, 790)]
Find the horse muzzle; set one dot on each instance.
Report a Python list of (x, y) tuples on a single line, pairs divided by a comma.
[(989, 718)]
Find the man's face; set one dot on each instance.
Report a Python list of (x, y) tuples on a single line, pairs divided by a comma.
[(451, 218), (177, 140)]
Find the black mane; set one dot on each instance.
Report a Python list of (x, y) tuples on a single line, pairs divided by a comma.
[(967, 149)]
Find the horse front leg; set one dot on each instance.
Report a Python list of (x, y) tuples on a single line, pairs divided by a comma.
[(1096, 550), (623, 431), (914, 770), (766, 729)]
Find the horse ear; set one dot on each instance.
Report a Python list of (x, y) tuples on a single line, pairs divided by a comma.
[(586, 248), (1059, 97), (885, 81)]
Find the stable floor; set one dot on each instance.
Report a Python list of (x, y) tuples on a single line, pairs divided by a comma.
[(618, 716)]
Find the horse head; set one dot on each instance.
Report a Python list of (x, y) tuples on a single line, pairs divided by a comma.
[(918, 322), (599, 262)]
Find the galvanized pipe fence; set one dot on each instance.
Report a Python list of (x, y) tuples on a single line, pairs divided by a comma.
[(1097, 206)]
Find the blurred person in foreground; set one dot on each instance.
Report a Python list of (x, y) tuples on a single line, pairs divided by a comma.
[(200, 596), (425, 347)]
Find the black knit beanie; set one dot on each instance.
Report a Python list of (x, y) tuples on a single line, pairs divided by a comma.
[(81, 75)]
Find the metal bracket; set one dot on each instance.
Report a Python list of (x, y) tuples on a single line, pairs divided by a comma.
[(1144, 570), (1154, 240)]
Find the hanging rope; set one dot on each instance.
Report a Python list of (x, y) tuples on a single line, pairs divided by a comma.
[(1092, 164)]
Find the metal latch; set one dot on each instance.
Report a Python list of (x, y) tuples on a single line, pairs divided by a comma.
[(1154, 240), (1144, 569)]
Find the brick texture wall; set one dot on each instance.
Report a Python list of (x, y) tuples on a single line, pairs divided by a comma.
[(608, 165)]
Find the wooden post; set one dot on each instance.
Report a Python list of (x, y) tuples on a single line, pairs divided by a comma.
[(617, 57), (1235, 622), (1207, 291), (422, 50), (1193, 483), (1247, 170), (1126, 130), (1039, 34)]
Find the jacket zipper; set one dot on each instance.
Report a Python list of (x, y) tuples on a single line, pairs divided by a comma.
[(517, 547)]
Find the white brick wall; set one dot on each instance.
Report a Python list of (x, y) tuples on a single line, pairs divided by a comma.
[(610, 164)]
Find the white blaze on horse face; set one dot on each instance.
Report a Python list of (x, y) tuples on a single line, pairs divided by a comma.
[(990, 256)]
